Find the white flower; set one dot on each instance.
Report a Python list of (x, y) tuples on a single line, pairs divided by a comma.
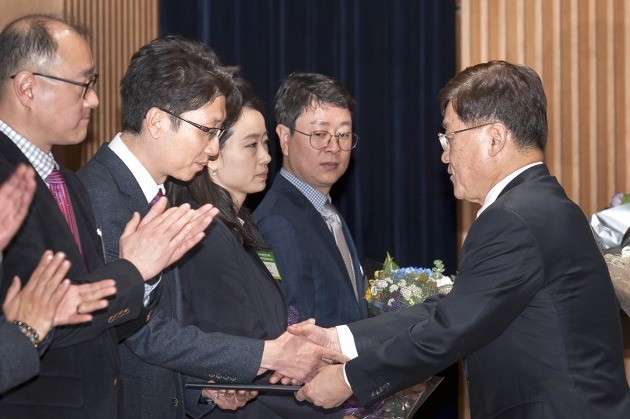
[(393, 287)]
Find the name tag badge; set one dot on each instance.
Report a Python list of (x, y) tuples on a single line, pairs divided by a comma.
[(270, 262)]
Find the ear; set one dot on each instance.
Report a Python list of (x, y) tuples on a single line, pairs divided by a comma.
[(499, 137), (23, 83), (284, 133), (156, 122)]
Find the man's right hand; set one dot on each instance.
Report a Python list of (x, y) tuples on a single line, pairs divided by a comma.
[(296, 357), (328, 338), (163, 236)]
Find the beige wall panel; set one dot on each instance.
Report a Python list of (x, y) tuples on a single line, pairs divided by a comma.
[(119, 28)]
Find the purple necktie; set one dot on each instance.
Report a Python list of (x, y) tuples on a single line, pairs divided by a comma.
[(156, 198), (60, 191)]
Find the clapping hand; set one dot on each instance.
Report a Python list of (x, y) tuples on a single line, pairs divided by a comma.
[(163, 236), (49, 299), (16, 194)]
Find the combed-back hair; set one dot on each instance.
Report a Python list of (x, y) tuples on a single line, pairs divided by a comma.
[(498, 91)]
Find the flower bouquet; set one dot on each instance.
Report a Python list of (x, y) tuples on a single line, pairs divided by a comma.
[(619, 268), (392, 289)]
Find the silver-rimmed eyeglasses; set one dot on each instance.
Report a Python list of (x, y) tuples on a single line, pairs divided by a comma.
[(211, 133), (321, 139), (87, 86), (446, 137)]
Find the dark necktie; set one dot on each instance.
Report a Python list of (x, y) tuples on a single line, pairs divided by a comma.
[(333, 221), (156, 198), (58, 188)]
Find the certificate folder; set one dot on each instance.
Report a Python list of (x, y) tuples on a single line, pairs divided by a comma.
[(251, 387)]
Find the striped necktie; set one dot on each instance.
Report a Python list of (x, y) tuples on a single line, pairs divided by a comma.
[(331, 216), (58, 188)]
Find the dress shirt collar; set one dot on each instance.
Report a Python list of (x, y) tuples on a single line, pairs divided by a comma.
[(42, 162), (314, 196), (496, 189), (142, 175)]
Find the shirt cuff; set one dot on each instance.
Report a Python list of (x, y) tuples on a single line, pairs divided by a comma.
[(148, 288), (346, 341)]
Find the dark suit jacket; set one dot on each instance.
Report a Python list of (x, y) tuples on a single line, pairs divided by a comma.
[(314, 277), (79, 373), (153, 358), (19, 359), (532, 311), (229, 290)]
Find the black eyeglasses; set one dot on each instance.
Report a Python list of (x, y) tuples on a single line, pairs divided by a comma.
[(87, 86), (211, 133), (321, 139)]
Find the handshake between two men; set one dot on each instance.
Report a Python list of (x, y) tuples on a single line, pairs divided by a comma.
[(305, 353)]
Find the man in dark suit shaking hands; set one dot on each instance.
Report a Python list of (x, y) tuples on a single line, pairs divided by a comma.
[(532, 312)]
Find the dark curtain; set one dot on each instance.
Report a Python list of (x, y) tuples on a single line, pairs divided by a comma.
[(393, 56)]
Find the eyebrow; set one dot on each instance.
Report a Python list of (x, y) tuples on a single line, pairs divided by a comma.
[(325, 123), (254, 135)]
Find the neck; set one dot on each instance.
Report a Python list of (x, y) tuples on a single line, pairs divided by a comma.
[(138, 145)]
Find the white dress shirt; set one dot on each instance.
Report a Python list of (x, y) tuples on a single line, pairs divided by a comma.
[(146, 183)]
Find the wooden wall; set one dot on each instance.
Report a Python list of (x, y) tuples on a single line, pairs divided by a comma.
[(119, 28), (581, 49)]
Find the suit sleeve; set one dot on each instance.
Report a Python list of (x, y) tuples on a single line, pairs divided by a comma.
[(198, 354), (293, 261), (19, 359), (499, 274)]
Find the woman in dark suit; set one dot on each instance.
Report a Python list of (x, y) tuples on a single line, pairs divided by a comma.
[(228, 286)]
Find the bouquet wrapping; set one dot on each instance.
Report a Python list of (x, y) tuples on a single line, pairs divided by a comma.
[(619, 268), (392, 289), (611, 228)]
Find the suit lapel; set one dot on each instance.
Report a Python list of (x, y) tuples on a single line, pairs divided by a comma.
[(45, 204), (314, 218), (125, 181)]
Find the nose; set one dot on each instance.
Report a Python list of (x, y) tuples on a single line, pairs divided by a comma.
[(92, 99), (446, 158), (212, 149), (265, 158), (333, 145)]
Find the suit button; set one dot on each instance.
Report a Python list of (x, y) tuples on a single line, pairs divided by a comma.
[(174, 402), (115, 381)]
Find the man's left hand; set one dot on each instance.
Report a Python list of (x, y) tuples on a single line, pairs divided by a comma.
[(229, 399), (328, 389)]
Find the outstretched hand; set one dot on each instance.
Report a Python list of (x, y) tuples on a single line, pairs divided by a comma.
[(328, 338), (296, 357)]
